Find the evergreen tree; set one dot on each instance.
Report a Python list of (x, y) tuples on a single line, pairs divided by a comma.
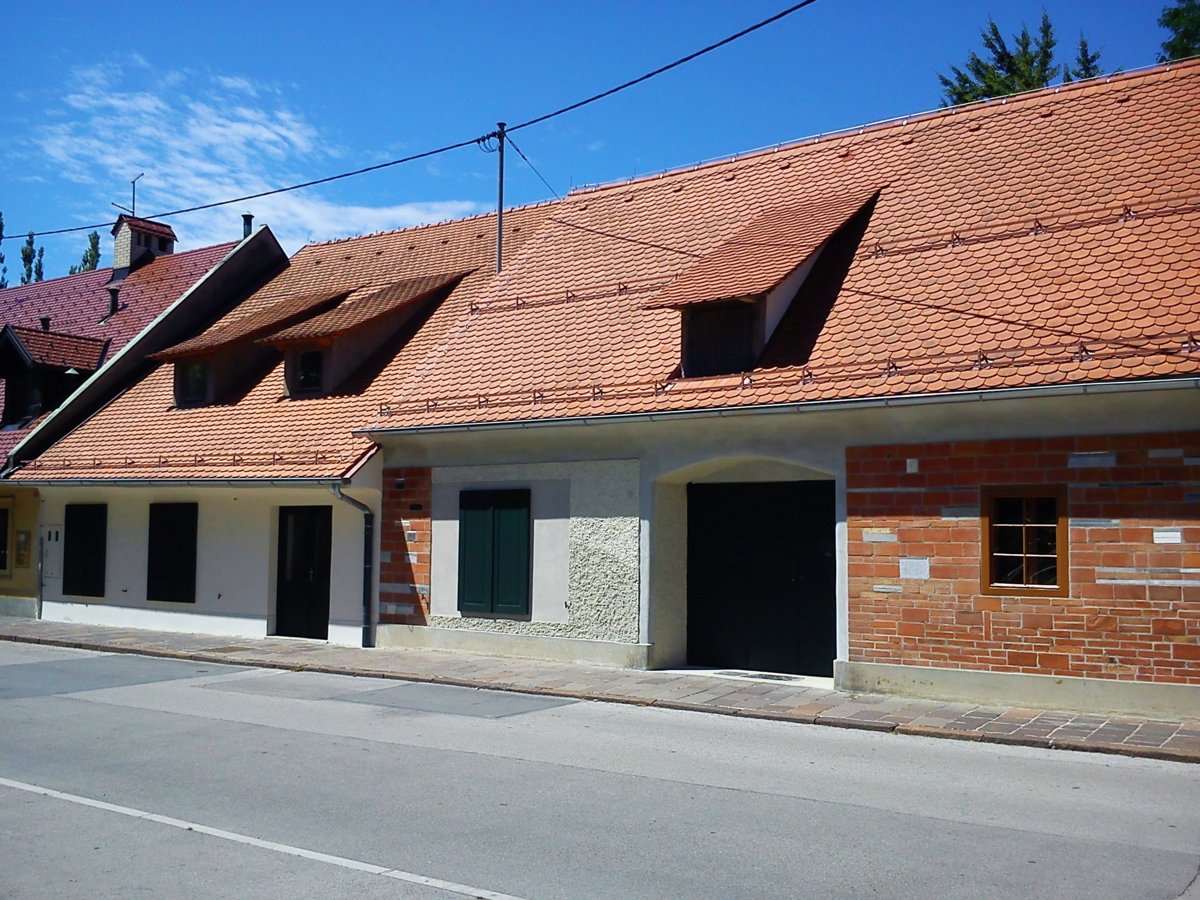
[(91, 256), (31, 261), (3, 267), (1182, 19), (1026, 65)]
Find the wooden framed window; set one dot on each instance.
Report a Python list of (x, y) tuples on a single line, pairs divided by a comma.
[(85, 549), (171, 562), (494, 552), (1025, 538)]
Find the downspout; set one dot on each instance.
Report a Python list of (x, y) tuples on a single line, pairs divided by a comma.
[(368, 623)]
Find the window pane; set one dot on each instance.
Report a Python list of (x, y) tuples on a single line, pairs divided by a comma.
[(1043, 571), (1041, 539), (1008, 510), (85, 549), (1006, 539), (311, 365), (1008, 570), (1043, 510)]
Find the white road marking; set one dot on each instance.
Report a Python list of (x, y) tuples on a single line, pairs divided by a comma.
[(354, 864)]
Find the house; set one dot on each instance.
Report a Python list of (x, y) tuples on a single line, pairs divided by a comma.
[(913, 406), (67, 344)]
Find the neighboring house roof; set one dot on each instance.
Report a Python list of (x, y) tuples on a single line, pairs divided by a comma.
[(78, 309), (1046, 239), (65, 351), (148, 226)]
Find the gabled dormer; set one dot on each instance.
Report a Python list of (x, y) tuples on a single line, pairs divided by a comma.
[(321, 353), (138, 241), (41, 368), (218, 362), (733, 299)]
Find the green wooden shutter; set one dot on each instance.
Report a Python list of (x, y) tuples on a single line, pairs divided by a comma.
[(475, 551), (494, 552), (511, 553)]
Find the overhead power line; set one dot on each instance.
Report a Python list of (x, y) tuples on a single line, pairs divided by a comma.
[(535, 170), (482, 141)]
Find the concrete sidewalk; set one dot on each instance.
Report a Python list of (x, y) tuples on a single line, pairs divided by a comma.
[(695, 691)]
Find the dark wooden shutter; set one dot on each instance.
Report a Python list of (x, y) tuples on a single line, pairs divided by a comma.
[(171, 567), (510, 546), (494, 552), (475, 551), (85, 549)]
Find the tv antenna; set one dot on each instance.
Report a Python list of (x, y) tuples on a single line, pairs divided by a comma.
[(132, 207)]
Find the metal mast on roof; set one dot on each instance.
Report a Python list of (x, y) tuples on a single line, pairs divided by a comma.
[(132, 208), (500, 200)]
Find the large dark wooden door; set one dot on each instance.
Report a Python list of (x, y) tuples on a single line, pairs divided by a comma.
[(302, 592), (761, 576)]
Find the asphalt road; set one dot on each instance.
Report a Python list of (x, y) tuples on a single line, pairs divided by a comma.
[(124, 776)]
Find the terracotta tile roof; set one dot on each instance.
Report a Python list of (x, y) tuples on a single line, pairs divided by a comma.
[(249, 324), (1047, 239), (757, 258), (267, 434), (51, 348), (363, 308)]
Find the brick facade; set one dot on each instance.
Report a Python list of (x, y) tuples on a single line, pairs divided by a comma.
[(1133, 609), (404, 547)]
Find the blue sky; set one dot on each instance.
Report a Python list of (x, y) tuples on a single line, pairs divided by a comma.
[(218, 99)]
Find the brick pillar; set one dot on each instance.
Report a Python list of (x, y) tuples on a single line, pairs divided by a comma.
[(404, 547)]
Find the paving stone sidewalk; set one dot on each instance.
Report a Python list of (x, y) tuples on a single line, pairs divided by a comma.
[(695, 691)]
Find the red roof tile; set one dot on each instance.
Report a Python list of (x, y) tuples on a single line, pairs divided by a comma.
[(247, 325), (363, 308), (50, 348), (146, 226), (756, 259)]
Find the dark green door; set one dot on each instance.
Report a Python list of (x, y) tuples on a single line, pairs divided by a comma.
[(302, 586), (761, 576)]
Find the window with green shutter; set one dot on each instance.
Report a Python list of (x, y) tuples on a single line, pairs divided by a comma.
[(493, 552)]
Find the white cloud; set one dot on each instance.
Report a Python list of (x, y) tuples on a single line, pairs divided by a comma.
[(201, 138)]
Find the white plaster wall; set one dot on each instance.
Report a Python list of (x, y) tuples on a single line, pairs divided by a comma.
[(586, 533), (237, 532)]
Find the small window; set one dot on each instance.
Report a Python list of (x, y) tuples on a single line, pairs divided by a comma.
[(494, 552), (85, 549), (719, 339), (310, 371), (1024, 541), (191, 382), (164, 245), (171, 563), (5, 534)]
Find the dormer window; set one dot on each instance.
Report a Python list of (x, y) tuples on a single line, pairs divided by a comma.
[(191, 382), (720, 339), (306, 373)]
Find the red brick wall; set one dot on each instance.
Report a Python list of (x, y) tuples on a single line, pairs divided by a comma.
[(1133, 611), (404, 547)]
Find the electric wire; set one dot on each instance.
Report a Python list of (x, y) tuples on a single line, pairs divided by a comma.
[(557, 196), (481, 141)]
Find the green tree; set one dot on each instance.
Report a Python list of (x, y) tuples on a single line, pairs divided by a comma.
[(91, 256), (31, 261), (1183, 21), (1026, 65), (3, 267)]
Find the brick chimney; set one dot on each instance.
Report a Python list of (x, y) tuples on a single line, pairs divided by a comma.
[(136, 242)]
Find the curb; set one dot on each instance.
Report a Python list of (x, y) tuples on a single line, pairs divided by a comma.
[(876, 725)]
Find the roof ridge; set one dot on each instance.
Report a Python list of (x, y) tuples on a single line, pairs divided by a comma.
[(425, 225), (1144, 74), (67, 334)]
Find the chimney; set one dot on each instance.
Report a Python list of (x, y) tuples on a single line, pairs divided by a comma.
[(247, 224), (113, 291), (45, 323), (136, 242)]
